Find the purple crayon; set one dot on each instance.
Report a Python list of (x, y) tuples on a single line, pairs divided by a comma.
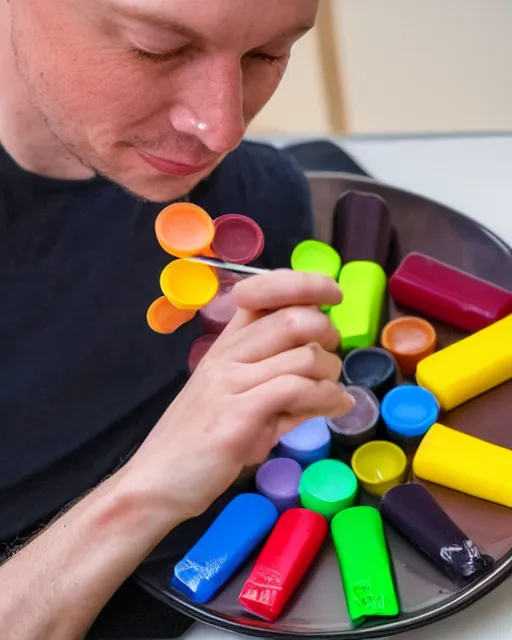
[(307, 443), (419, 518), (278, 479)]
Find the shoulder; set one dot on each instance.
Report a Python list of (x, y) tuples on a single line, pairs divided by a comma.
[(266, 184)]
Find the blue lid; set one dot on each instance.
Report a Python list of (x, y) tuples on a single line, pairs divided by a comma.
[(409, 410)]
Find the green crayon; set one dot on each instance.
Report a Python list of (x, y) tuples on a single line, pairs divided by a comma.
[(365, 565), (358, 316)]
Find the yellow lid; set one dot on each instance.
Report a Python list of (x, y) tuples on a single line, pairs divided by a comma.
[(189, 285)]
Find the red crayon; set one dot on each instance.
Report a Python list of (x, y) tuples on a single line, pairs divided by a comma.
[(448, 294), (283, 562)]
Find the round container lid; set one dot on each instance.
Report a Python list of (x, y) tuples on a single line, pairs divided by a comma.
[(327, 487), (378, 462), (199, 349), (238, 239), (163, 317), (308, 436), (368, 367), (189, 285), (409, 411), (316, 257), (363, 416), (409, 335), (279, 478), (184, 229)]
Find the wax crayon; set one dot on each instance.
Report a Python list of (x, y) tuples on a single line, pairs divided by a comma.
[(464, 463), (416, 515), (379, 465), (278, 479), (358, 316), (239, 529), (284, 561), (359, 425), (409, 339), (373, 368), (238, 239), (469, 367), (408, 412), (328, 487), (448, 294), (365, 565), (362, 228), (307, 443)]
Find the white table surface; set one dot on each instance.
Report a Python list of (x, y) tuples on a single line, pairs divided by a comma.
[(474, 176)]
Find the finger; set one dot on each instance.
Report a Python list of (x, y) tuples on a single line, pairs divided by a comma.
[(286, 288), (309, 361), (293, 396), (281, 331)]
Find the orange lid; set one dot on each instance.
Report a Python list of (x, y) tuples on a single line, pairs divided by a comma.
[(163, 317), (189, 285), (410, 339), (184, 229)]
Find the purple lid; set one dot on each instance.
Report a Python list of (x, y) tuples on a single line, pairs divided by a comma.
[(238, 239), (307, 443), (278, 480), (361, 421)]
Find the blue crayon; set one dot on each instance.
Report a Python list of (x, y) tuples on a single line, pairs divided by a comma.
[(232, 537)]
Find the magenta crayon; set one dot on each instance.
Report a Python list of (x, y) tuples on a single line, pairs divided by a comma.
[(448, 294), (284, 561)]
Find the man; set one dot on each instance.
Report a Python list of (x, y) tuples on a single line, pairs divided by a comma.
[(110, 109)]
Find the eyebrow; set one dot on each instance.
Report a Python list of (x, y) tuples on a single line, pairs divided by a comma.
[(138, 13)]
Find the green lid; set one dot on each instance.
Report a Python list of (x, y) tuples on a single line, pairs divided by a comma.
[(365, 566), (316, 257), (357, 317), (327, 487)]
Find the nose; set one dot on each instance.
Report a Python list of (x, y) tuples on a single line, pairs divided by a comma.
[(211, 109)]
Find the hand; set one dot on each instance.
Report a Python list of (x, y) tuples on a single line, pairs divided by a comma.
[(271, 369)]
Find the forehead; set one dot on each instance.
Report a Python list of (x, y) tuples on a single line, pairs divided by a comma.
[(223, 19)]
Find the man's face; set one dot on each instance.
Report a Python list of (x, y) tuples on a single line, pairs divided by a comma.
[(154, 93)]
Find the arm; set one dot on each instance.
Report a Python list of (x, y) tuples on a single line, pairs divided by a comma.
[(56, 585)]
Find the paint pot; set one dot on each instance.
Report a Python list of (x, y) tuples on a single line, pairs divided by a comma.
[(379, 465), (327, 487), (362, 228), (165, 318), (238, 239), (448, 294), (365, 564), (408, 413), (415, 514), (239, 529), (198, 350), (282, 564), (409, 339), (189, 285), (358, 317), (470, 367), (359, 425), (183, 229), (373, 368), (464, 463), (314, 256), (278, 479), (307, 443), (217, 314)]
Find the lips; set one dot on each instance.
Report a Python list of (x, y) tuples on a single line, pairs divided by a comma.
[(170, 167)]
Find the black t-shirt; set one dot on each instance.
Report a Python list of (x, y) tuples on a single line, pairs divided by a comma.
[(83, 379)]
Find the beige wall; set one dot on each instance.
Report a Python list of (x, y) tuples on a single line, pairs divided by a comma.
[(405, 66)]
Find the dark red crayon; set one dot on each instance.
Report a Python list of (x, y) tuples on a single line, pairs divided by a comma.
[(448, 294), (283, 562)]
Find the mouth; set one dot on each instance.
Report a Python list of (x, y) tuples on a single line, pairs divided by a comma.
[(170, 167)]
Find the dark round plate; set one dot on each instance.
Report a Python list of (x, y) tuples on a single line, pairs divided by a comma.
[(318, 608)]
